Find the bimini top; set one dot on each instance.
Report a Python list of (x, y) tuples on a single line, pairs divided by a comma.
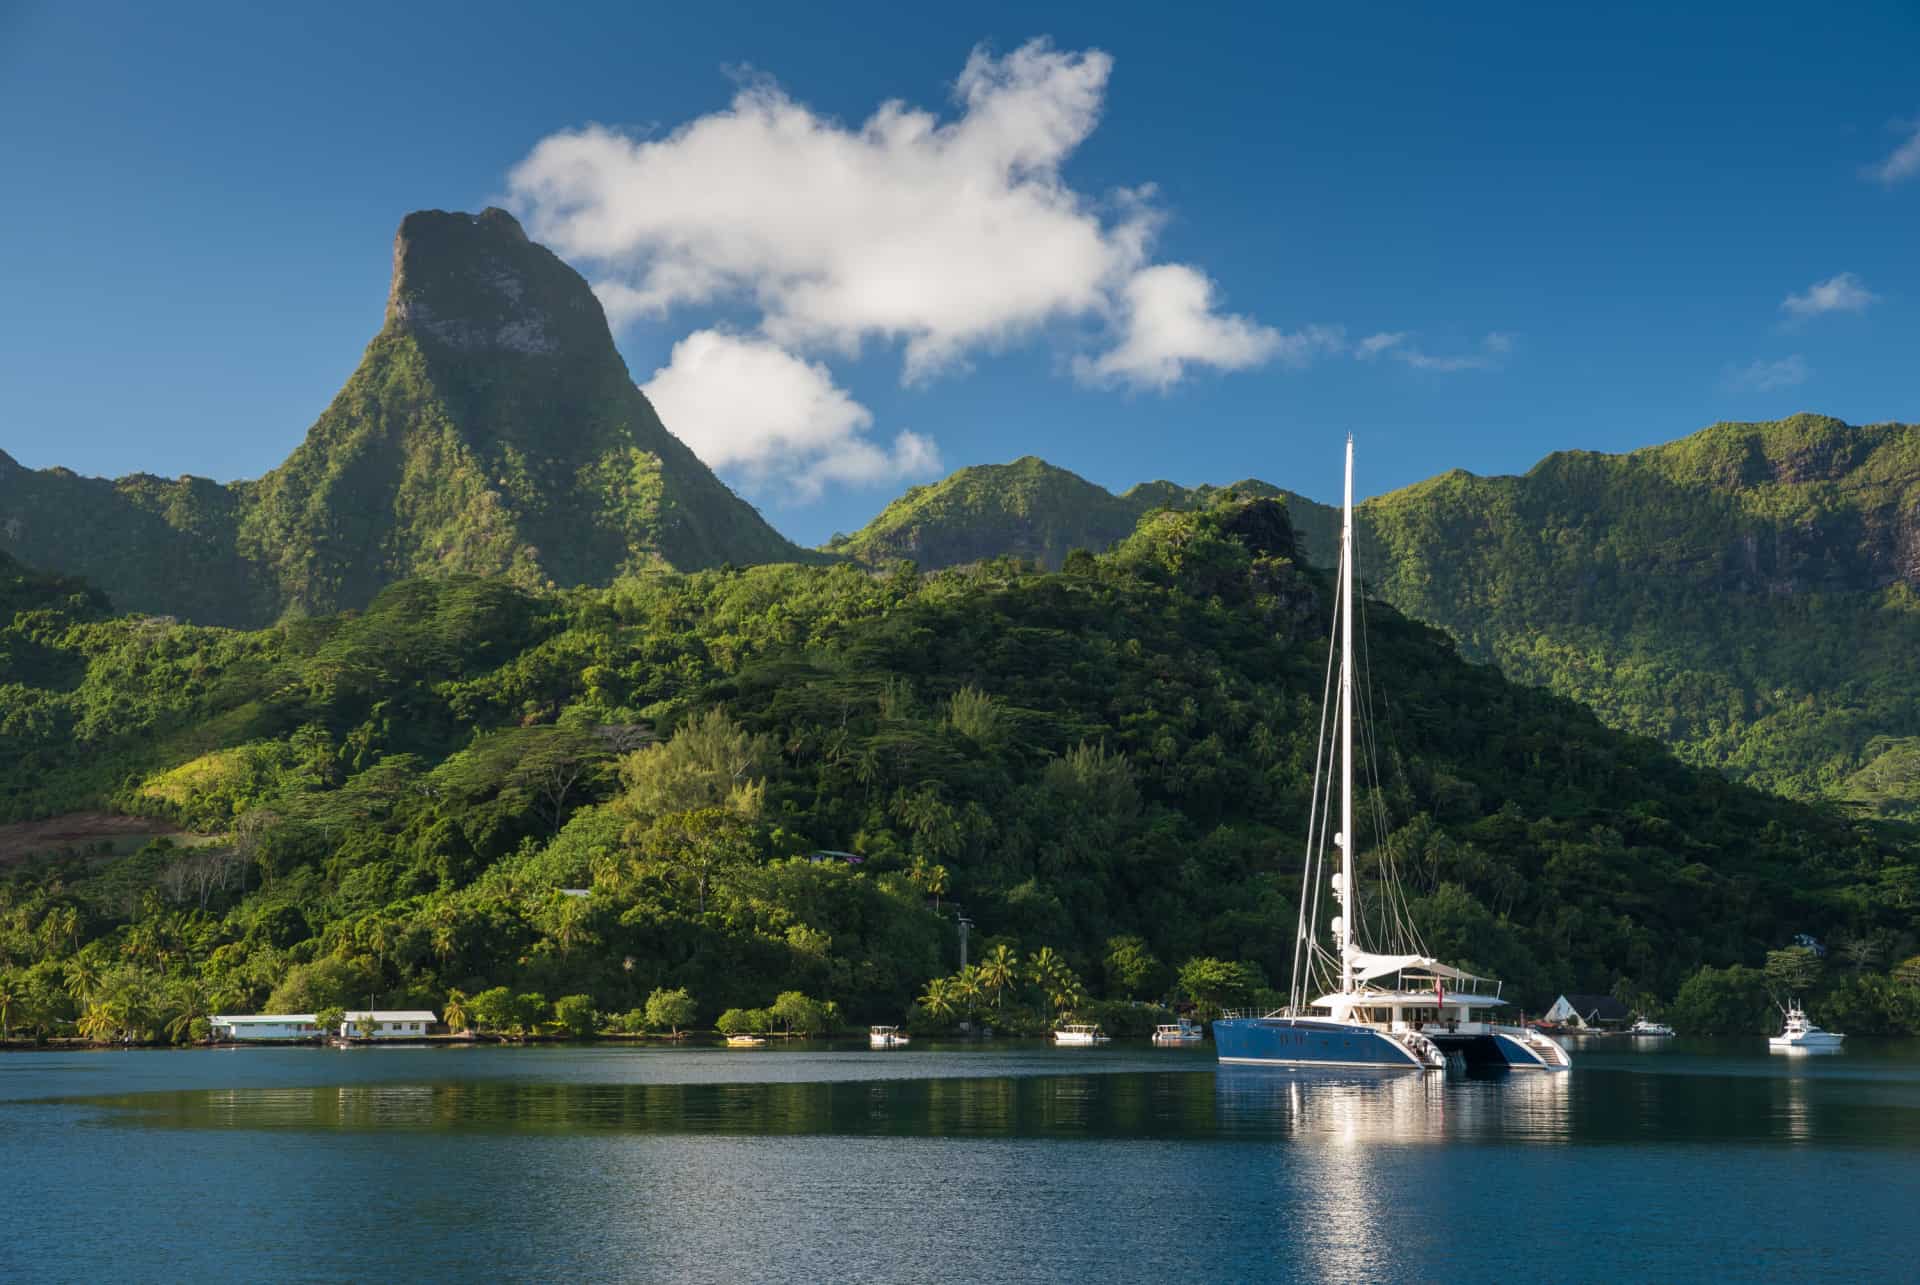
[(1368, 966)]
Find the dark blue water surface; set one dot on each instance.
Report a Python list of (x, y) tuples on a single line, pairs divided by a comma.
[(981, 1163)]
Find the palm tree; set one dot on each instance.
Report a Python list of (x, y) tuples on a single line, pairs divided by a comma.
[(83, 978), (99, 1023), (1056, 980), (455, 1013), (939, 999), (10, 994), (966, 989), (1044, 966), (1000, 969)]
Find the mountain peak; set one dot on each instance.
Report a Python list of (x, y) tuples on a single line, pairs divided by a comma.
[(1029, 508), (475, 283), (491, 429)]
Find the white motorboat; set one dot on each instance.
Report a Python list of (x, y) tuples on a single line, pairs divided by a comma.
[(1643, 1029), (1180, 1032), (887, 1037), (1080, 1034), (1800, 1033), (745, 1042)]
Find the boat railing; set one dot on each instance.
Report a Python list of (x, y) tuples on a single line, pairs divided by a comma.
[(1445, 1026)]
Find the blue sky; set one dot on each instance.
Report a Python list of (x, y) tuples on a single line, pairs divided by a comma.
[(1470, 235)]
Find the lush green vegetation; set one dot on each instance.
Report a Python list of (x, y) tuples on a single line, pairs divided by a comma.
[(1749, 595), (783, 779), (491, 428), (1027, 509)]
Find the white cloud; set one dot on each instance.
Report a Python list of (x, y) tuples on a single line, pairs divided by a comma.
[(1493, 349), (1170, 325), (1373, 345), (1842, 293), (1904, 161), (1769, 376), (945, 236), (746, 406)]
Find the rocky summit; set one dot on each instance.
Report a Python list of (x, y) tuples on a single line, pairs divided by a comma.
[(491, 428)]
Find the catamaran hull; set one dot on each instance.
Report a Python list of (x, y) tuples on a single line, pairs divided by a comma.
[(1280, 1041), (1492, 1052)]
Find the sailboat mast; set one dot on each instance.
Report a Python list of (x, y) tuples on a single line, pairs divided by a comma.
[(1349, 903)]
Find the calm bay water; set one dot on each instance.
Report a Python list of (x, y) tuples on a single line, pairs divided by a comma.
[(1694, 1161)]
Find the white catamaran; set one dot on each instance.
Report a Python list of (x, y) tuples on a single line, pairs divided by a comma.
[(1392, 1009)]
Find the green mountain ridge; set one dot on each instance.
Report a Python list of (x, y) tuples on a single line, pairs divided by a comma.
[(1027, 509), (1746, 594), (1749, 594), (491, 428), (1107, 763)]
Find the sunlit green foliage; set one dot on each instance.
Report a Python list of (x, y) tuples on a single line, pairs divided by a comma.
[(490, 429), (1027, 509), (1749, 595), (784, 779), (669, 1010)]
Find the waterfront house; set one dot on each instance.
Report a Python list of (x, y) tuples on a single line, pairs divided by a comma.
[(264, 1026), (1590, 1013), (387, 1024)]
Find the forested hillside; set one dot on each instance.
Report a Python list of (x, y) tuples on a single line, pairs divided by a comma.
[(491, 428), (1746, 595), (1027, 509), (1749, 595), (782, 779)]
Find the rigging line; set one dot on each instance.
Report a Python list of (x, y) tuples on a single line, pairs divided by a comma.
[(1308, 929), (1322, 964), (1390, 934), (1400, 910)]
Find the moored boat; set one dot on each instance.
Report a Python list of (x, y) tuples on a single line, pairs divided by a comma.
[(1643, 1029), (1801, 1034), (1081, 1034), (887, 1037), (1183, 1031), (1392, 1009), (745, 1042)]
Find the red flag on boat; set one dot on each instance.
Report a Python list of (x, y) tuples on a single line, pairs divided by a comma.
[(1439, 993)]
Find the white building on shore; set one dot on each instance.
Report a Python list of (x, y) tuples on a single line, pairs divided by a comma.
[(375, 1024), (387, 1024), (264, 1026)]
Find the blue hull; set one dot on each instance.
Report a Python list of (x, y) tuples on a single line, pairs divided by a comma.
[(1282, 1041)]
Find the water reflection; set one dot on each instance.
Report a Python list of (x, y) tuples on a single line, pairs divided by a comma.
[(981, 1165), (1622, 1098), (1399, 1109), (1169, 1104)]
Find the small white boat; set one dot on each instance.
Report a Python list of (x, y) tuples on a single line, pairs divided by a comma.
[(1643, 1029), (1180, 1032), (887, 1037), (1803, 1034), (1080, 1034), (745, 1042)]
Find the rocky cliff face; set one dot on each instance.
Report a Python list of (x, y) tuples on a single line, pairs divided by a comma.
[(491, 427)]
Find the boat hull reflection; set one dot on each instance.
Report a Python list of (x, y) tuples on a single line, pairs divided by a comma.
[(1356, 1107)]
